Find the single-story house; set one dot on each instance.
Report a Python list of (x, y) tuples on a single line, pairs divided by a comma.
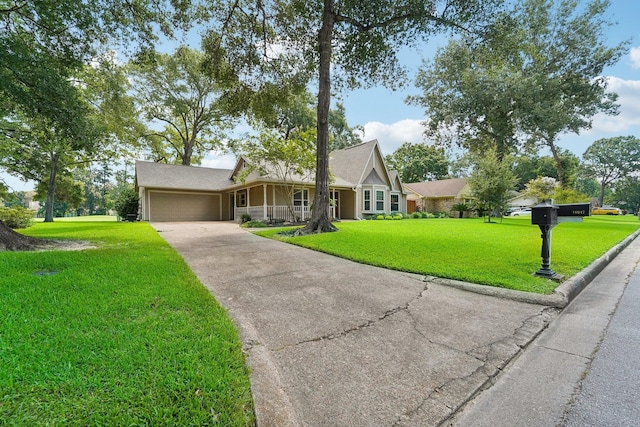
[(519, 200), (437, 196), (360, 185)]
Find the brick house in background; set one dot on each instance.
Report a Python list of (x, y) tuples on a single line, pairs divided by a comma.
[(437, 196)]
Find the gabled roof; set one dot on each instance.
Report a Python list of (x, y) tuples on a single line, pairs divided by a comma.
[(160, 175), (373, 178), (397, 183), (349, 168), (349, 163), (259, 173), (442, 188)]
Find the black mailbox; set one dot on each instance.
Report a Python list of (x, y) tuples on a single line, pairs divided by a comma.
[(544, 214)]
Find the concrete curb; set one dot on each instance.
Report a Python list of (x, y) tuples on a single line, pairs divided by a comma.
[(571, 288), (562, 295)]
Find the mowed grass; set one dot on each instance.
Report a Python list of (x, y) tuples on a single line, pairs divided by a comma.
[(498, 254), (124, 334), (84, 218)]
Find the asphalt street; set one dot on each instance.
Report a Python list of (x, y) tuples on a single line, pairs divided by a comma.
[(610, 393), (583, 370)]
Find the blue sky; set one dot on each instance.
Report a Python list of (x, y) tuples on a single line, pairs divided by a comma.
[(385, 116)]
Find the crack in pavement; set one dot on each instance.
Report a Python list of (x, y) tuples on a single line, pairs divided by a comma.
[(492, 357), (367, 324), (491, 364), (437, 391)]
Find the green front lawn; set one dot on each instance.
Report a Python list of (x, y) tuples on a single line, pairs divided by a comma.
[(498, 254), (124, 334)]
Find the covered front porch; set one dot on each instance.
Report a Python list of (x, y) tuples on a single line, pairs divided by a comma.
[(268, 202)]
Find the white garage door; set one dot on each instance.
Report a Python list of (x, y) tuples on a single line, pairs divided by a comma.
[(184, 207)]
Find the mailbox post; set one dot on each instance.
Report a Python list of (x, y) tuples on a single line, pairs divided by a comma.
[(545, 216)]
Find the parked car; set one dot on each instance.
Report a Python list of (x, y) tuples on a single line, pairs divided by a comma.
[(605, 210), (521, 212)]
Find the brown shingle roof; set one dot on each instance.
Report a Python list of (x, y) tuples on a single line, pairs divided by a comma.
[(160, 175), (347, 167), (442, 188), (348, 164)]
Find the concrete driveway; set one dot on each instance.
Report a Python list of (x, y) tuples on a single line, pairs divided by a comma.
[(334, 343)]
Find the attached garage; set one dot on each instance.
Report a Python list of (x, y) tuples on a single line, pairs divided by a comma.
[(172, 206)]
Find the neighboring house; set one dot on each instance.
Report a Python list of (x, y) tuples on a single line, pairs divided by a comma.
[(519, 200), (360, 186), (33, 205), (437, 196)]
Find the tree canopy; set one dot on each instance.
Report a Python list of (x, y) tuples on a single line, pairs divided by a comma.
[(355, 41), (536, 73), (419, 162), (195, 107), (611, 159), (44, 43)]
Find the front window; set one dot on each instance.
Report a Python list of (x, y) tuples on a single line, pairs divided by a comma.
[(380, 200), (301, 198), (242, 199), (367, 200), (395, 203)]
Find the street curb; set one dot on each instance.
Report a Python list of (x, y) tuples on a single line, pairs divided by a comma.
[(571, 288), (562, 295)]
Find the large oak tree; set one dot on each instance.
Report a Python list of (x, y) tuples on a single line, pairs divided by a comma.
[(195, 107), (46, 43), (535, 75), (611, 159), (356, 41)]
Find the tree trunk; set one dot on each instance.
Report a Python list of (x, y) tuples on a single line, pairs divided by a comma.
[(51, 188), (188, 152), (12, 241), (556, 157), (319, 221)]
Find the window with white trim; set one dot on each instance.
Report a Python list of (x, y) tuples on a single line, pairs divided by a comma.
[(367, 200), (395, 202), (380, 200), (301, 198)]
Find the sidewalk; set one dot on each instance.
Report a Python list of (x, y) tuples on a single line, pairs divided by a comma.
[(538, 387)]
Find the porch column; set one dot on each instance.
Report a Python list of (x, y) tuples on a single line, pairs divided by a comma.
[(358, 204), (143, 204), (235, 204), (264, 204)]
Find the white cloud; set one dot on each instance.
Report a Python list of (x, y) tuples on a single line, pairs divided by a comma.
[(629, 100), (635, 57), (216, 161), (391, 136)]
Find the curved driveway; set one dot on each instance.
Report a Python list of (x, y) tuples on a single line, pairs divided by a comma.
[(334, 343)]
